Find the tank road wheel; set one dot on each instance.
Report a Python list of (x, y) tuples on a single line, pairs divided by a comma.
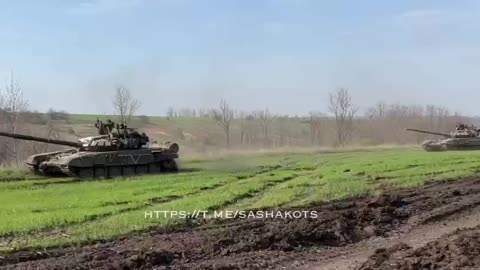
[(174, 166), (155, 168), (142, 169), (115, 171), (433, 146), (35, 170), (100, 172), (85, 173), (128, 170), (169, 165)]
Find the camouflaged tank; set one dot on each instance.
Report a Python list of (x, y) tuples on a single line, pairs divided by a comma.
[(112, 153), (463, 138)]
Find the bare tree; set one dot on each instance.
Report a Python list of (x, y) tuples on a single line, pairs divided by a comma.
[(124, 104), (249, 128), (315, 123), (342, 108), (2, 104), (377, 112), (243, 126), (265, 118), (285, 131), (170, 112), (13, 106), (224, 115)]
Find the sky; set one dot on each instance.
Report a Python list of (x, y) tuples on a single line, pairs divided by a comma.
[(286, 55)]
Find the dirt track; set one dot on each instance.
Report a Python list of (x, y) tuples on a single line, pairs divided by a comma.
[(403, 229)]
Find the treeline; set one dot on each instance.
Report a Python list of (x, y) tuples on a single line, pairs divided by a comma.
[(385, 123), (341, 125), (188, 113)]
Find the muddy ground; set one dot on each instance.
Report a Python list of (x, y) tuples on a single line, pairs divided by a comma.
[(432, 227)]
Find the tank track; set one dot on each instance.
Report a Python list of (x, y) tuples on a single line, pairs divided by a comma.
[(165, 166), (433, 146)]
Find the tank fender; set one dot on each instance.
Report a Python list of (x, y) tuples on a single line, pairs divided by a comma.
[(35, 160)]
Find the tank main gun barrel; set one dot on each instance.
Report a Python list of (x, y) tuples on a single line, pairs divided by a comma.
[(428, 132), (39, 139)]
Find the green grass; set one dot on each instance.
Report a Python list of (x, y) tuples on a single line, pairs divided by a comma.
[(9, 174), (43, 212)]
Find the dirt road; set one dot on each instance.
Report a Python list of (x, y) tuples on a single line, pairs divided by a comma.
[(433, 227)]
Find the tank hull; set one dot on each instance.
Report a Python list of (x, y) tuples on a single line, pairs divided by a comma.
[(452, 144), (86, 164)]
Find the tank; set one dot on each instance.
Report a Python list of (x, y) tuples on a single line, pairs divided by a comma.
[(463, 138), (115, 151)]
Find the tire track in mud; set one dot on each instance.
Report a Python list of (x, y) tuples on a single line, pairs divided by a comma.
[(413, 236), (236, 199), (299, 198), (269, 185), (457, 207), (443, 245), (343, 228)]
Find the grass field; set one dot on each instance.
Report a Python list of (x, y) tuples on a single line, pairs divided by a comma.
[(51, 211)]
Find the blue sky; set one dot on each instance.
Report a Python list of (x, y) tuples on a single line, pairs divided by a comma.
[(284, 54)]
